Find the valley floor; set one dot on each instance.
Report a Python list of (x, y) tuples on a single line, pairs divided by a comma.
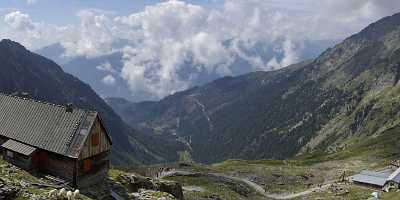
[(270, 180), (312, 176)]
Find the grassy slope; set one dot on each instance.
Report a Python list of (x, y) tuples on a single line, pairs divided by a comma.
[(365, 152), (213, 187)]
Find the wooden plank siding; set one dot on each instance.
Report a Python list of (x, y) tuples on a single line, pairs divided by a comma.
[(104, 143)]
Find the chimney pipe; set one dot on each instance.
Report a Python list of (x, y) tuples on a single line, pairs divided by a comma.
[(25, 95), (69, 108)]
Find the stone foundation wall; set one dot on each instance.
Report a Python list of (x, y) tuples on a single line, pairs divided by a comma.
[(60, 166), (93, 178)]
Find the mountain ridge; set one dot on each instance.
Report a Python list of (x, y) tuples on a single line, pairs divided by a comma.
[(26, 72), (311, 106)]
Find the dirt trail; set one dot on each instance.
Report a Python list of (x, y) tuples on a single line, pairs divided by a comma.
[(259, 189)]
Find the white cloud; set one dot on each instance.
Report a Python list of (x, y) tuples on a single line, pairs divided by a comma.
[(290, 56), (19, 21), (164, 37), (207, 50), (107, 67), (146, 74), (95, 35), (109, 80), (18, 26)]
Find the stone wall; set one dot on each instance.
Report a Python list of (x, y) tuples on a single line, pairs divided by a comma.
[(60, 166), (93, 178)]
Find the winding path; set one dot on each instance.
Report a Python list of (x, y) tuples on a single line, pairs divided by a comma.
[(259, 189)]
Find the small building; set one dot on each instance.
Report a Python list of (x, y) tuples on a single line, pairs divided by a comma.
[(393, 181), (66, 142), (384, 180), (371, 178)]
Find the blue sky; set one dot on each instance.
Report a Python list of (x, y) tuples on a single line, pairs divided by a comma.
[(63, 12)]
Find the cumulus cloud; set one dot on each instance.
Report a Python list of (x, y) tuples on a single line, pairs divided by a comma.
[(174, 32), (107, 67), (19, 21), (290, 55), (171, 43), (19, 26), (109, 80), (145, 74), (95, 35)]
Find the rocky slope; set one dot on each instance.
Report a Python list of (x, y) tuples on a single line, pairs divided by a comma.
[(24, 71), (350, 91), (22, 185)]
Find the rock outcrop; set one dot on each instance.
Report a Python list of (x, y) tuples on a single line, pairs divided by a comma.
[(136, 183), (151, 195), (7, 192)]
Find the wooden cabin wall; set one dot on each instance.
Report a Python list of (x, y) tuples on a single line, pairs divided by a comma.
[(104, 144), (24, 162)]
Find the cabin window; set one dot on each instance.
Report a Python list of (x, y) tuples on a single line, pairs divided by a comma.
[(10, 154), (87, 165), (95, 139)]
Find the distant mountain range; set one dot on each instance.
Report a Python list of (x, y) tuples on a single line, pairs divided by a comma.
[(24, 71), (350, 92), (94, 70)]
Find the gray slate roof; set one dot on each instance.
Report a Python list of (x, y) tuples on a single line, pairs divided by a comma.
[(44, 125), (18, 147)]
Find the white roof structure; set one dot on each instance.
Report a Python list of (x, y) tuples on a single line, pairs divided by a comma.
[(377, 178), (395, 176)]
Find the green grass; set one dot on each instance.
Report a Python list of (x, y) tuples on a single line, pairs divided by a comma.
[(377, 149), (355, 193), (391, 196), (267, 170), (115, 173), (362, 152), (213, 187)]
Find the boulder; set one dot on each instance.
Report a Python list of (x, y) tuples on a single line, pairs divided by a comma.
[(150, 195), (7, 192), (134, 183), (170, 187)]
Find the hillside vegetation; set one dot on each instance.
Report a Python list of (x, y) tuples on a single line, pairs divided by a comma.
[(349, 93), (282, 178), (25, 72)]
